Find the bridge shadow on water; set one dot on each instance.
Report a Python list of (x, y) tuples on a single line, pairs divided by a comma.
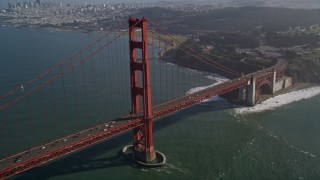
[(88, 159), (85, 160)]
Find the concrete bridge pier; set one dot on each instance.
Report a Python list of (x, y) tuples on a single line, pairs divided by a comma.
[(279, 81), (242, 94), (251, 96), (274, 77)]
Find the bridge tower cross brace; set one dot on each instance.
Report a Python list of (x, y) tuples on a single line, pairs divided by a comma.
[(142, 143)]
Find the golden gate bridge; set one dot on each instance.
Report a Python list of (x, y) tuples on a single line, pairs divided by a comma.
[(101, 78)]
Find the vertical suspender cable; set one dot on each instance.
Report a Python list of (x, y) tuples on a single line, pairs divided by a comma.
[(166, 74), (172, 79), (75, 94), (42, 111), (65, 97), (84, 81), (54, 104), (160, 74)]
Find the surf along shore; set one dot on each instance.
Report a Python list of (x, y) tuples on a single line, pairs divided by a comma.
[(296, 92)]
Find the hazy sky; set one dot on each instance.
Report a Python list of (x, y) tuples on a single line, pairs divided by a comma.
[(4, 3), (280, 3)]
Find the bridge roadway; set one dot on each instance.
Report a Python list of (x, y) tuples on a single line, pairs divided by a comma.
[(39, 155)]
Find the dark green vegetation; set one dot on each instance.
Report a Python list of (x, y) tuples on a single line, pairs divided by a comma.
[(248, 38), (234, 19)]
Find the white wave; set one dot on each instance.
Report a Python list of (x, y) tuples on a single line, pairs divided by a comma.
[(171, 64), (293, 147), (218, 80), (216, 77), (192, 70), (144, 170), (280, 100), (308, 153), (208, 75), (168, 169), (216, 98)]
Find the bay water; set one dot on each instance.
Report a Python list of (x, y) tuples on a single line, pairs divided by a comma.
[(206, 141)]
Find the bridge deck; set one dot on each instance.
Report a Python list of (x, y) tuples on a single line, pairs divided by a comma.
[(104, 131), (41, 154)]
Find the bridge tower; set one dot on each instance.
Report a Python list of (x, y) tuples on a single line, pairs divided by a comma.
[(143, 149)]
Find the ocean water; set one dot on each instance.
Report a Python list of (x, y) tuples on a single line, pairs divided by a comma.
[(208, 142), (211, 140), (91, 93)]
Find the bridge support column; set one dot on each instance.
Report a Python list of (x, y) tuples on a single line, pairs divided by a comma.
[(274, 78), (242, 95), (251, 97), (142, 148)]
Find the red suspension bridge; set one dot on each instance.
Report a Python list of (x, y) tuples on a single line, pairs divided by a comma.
[(111, 90)]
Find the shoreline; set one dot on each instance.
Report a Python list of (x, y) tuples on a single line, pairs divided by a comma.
[(55, 29), (217, 77), (261, 103), (295, 93), (294, 87)]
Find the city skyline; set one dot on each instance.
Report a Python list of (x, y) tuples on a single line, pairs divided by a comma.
[(4, 3), (307, 4)]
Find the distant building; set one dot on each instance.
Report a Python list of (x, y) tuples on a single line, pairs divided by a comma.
[(25, 5)]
